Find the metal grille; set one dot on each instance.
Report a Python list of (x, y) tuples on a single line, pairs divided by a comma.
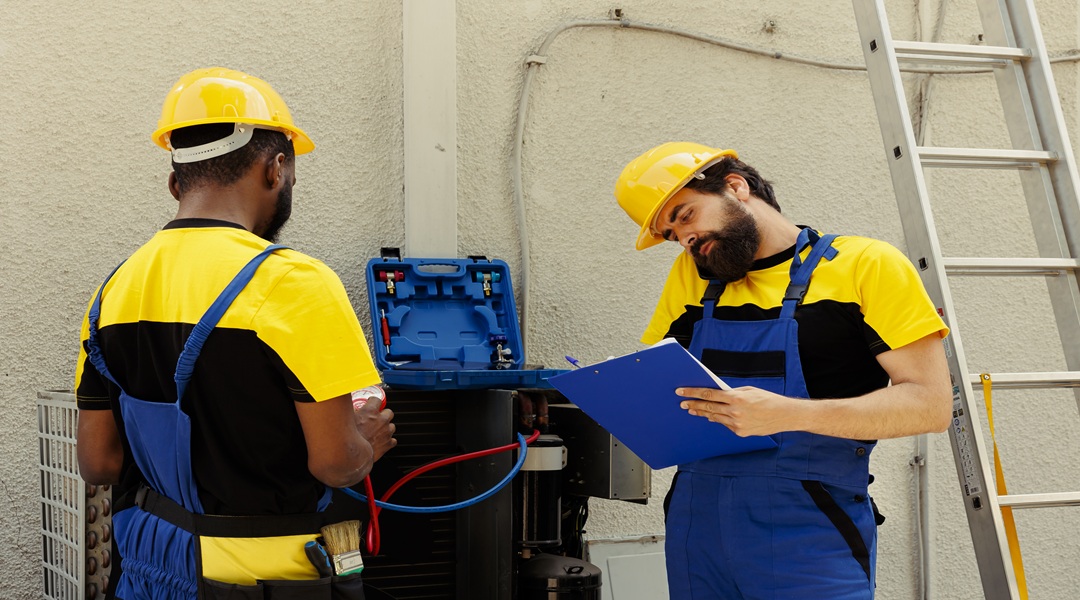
[(418, 551), (76, 519)]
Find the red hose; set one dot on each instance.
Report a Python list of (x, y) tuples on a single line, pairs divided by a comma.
[(372, 537)]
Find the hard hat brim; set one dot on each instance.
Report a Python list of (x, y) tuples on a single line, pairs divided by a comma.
[(646, 238)]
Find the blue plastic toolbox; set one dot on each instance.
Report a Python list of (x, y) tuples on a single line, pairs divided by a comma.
[(447, 324)]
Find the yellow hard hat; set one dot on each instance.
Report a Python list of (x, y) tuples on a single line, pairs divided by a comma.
[(654, 177), (219, 95)]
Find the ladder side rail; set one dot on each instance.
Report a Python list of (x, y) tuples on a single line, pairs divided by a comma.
[(1036, 121), (1017, 102), (973, 469), (1047, 111)]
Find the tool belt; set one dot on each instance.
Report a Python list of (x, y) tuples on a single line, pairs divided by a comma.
[(226, 526), (347, 587)]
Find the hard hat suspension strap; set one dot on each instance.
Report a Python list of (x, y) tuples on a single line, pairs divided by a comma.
[(240, 136)]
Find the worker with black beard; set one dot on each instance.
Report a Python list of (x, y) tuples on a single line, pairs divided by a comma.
[(809, 329)]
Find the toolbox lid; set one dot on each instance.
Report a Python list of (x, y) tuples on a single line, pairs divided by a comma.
[(446, 323)]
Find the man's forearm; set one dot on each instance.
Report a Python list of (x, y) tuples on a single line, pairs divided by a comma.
[(895, 411), (919, 401)]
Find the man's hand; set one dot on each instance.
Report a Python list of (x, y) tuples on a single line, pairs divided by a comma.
[(343, 443), (745, 410), (376, 427)]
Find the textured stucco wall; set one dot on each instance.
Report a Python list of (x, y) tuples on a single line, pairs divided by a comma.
[(82, 186)]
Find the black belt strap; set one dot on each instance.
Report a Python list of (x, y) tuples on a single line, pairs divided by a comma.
[(226, 526), (841, 521)]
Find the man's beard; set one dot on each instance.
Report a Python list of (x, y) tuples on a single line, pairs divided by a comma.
[(734, 247), (282, 212)]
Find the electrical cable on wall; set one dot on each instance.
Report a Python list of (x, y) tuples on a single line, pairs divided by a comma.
[(918, 462)]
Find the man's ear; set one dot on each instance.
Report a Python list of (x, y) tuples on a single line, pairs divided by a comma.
[(275, 171), (738, 186), (174, 185)]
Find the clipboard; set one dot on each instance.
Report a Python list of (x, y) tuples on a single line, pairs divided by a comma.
[(633, 397)]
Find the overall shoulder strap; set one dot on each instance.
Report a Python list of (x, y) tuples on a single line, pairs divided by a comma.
[(709, 298), (801, 270), (185, 365), (93, 345)]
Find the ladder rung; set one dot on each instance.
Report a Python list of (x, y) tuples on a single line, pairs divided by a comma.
[(933, 156), (1040, 500), (957, 54), (1009, 266), (1018, 381)]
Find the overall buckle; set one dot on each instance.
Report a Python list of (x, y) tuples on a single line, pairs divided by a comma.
[(796, 292)]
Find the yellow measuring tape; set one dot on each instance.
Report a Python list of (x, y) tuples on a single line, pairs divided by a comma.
[(1006, 511)]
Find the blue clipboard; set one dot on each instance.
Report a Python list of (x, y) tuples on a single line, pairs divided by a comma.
[(633, 397)]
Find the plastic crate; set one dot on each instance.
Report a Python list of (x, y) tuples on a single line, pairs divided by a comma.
[(76, 518)]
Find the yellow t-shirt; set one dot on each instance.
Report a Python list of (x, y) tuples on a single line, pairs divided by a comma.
[(290, 336), (867, 300)]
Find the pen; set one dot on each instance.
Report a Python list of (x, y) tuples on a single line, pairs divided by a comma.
[(573, 361)]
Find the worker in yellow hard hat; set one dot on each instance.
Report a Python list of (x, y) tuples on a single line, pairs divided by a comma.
[(216, 367), (808, 329)]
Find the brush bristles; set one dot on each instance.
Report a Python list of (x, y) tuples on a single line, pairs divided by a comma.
[(342, 537)]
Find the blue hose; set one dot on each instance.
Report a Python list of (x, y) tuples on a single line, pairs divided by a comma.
[(450, 507)]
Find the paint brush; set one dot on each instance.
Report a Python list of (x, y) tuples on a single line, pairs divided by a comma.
[(343, 543)]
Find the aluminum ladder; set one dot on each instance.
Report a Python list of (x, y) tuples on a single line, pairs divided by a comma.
[(1044, 159)]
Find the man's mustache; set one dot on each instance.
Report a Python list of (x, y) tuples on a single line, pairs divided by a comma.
[(695, 248)]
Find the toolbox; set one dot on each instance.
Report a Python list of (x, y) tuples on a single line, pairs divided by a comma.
[(447, 323)]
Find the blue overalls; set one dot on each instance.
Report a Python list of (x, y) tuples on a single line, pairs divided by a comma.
[(158, 537), (793, 522)]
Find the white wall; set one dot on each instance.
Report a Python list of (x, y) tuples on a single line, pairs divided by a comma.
[(82, 186)]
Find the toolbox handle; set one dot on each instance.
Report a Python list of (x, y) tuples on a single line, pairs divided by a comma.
[(439, 269)]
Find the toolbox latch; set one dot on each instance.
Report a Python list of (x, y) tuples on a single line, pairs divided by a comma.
[(390, 253), (478, 258)]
